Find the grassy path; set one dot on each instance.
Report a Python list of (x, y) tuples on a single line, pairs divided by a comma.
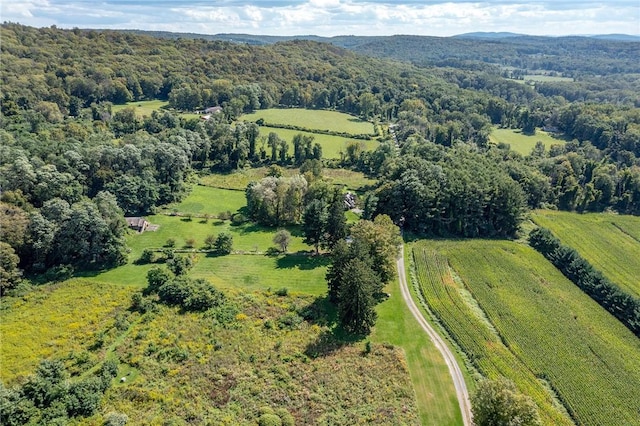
[(454, 369)]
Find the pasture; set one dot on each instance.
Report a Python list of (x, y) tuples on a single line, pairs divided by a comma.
[(313, 120), (332, 146), (143, 108), (522, 319), (546, 78), (610, 242), (176, 361), (239, 179), (522, 143)]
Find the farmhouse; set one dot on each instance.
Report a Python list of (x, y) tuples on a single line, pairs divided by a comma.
[(139, 224)]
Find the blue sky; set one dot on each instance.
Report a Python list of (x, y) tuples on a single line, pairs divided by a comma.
[(333, 17)]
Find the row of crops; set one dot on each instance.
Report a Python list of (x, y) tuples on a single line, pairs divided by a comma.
[(546, 329), (482, 346), (611, 243)]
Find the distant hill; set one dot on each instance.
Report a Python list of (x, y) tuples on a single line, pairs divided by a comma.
[(488, 35), (618, 37), (593, 55)]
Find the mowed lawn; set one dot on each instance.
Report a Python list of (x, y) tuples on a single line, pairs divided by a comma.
[(522, 143), (143, 108), (437, 401), (313, 120), (332, 146), (212, 201), (610, 242), (551, 326), (239, 179)]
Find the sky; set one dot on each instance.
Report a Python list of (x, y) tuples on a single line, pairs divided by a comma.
[(333, 17)]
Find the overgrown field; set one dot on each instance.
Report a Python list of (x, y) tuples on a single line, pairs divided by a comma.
[(611, 243), (515, 315), (522, 143), (64, 321), (219, 367), (333, 147), (313, 120)]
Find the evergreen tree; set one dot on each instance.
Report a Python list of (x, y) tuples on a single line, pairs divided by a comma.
[(355, 297), (314, 222), (336, 226)]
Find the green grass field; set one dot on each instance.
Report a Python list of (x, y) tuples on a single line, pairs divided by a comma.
[(610, 242), (239, 179), (434, 389), (515, 315), (332, 146), (178, 364), (208, 200), (521, 143), (546, 78), (143, 108), (313, 120)]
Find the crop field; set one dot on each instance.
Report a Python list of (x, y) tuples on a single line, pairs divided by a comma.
[(522, 143), (515, 315), (332, 146), (142, 107), (611, 243), (313, 120)]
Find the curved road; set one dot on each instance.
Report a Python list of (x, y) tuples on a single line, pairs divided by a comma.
[(454, 369)]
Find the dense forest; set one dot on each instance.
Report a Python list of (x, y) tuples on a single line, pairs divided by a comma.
[(68, 161)]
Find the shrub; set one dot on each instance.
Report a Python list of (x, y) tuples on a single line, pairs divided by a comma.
[(190, 243), (224, 243), (115, 419), (269, 420), (285, 416), (147, 256), (171, 242), (282, 292)]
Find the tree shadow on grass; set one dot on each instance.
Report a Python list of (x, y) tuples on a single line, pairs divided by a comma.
[(323, 313), (302, 261)]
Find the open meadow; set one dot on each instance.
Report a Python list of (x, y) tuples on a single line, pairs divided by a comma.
[(276, 342), (142, 108), (515, 315), (239, 179), (313, 120), (610, 242), (521, 143), (333, 147)]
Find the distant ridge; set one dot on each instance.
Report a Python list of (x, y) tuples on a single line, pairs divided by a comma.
[(617, 37), (489, 35)]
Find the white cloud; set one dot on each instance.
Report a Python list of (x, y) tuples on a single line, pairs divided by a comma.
[(335, 17)]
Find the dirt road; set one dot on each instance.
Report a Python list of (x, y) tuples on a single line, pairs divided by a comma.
[(454, 369)]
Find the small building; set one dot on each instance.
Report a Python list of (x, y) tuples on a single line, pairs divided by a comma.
[(139, 224), (213, 110)]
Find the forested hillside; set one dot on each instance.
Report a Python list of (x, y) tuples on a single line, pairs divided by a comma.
[(99, 125), (58, 131)]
